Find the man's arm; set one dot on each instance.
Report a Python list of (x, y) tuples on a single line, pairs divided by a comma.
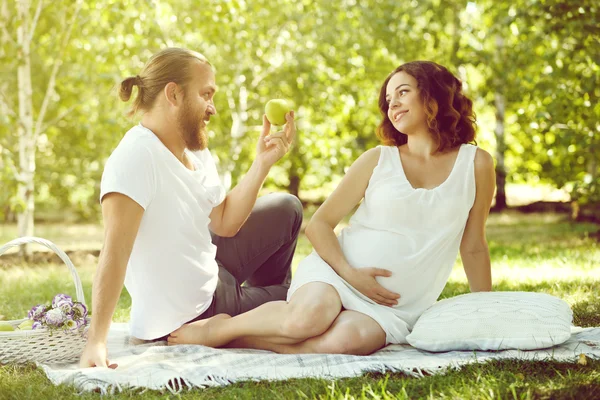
[(122, 217), (474, 250), (229, 216)]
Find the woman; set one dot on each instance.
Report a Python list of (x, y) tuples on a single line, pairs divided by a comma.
[(425, 194)]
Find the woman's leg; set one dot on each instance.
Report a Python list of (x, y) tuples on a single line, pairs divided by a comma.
[(351, 333), (310, 312)]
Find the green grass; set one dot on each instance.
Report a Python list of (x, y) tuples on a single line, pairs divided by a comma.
[(71, 237), (542, 253), (494, 380)]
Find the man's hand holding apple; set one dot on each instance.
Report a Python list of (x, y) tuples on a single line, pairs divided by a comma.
[(272, 146)]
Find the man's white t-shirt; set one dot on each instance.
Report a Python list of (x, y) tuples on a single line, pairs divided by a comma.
[(172, 273)]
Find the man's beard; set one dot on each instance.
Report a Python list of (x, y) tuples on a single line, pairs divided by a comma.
[(193, 129)]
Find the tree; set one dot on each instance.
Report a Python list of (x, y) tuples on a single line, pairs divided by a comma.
[(31, 123)]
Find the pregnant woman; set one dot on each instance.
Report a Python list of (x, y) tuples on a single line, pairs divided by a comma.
[(426, 194)]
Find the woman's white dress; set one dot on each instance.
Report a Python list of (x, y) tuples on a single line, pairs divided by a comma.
[(415, 233)]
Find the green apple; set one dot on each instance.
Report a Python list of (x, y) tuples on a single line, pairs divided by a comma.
[(276, 110), (6, 327), (26, 325)]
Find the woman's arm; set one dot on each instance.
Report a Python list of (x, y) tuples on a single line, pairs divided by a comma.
[(320, 230), (473, 248)]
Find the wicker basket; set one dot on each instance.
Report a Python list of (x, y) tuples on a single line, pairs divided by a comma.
[(43, 345)]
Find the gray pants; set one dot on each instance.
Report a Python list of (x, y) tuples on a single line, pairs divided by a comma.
[(255, 265)]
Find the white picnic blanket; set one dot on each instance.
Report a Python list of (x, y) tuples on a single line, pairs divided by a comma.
[(157, 366)]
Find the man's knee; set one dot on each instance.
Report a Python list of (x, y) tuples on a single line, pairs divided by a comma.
[(287, 208)]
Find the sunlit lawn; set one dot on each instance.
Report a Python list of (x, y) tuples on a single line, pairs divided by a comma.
[(543, 253)]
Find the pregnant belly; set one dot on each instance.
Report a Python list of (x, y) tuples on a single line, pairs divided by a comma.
[(369, 248), (408, 287)]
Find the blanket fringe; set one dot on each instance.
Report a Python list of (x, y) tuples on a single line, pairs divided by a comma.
[(160, 369), (176, 384)]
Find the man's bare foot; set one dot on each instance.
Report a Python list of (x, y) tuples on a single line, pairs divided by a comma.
[(204, 332)]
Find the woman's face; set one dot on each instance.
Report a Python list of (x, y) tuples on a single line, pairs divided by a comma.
[(405, 107)]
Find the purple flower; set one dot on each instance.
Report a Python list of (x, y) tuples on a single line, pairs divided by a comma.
[(55, 317), (37, 325), (71, 325), (81, 322), (61, 299), (66, 308), (79, 310), (37, 312)]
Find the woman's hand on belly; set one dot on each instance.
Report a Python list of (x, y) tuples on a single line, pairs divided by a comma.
[(364, 280), (413, 288)]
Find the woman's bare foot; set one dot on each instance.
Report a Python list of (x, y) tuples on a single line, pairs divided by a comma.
[(204, 332)]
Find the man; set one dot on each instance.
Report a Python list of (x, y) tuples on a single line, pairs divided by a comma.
[(178, 243)]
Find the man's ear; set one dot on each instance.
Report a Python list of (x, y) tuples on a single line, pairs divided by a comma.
[(172, 93)]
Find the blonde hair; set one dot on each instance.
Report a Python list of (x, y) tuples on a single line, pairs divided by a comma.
[(169, 65)]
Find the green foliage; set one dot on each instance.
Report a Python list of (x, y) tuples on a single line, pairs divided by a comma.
[(560, 115), (330, 58)]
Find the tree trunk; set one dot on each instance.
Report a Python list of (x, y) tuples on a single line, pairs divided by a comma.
[(239, 115), (500, 103), (456, 30), (592, 165), (294, 177), (297, 159), (294, 186), (499, 131), (28, 132), (25, 186)]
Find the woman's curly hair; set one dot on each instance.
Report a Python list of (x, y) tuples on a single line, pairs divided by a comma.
[(449, 112)]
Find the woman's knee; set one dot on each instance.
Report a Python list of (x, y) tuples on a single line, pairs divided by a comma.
[(351, 338), (309, 320), (347, 342)]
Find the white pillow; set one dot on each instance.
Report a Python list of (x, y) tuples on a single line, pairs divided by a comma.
[(493, 321)]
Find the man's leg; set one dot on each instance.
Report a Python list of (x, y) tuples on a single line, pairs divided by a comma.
[(260, 254), (310, 312)]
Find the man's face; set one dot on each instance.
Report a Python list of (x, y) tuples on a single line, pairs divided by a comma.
[(197, 107)]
